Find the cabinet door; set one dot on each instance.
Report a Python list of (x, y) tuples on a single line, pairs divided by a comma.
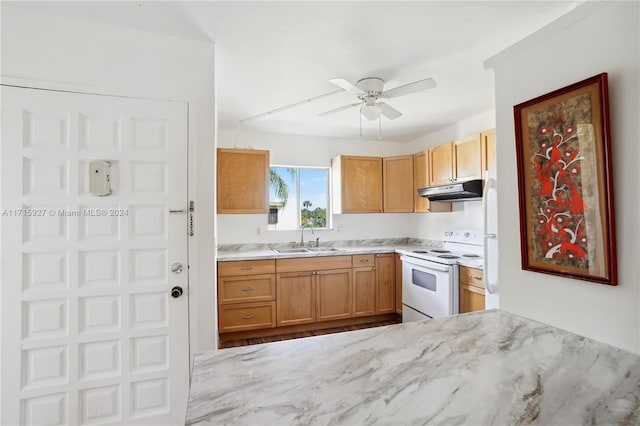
[(361, 184), (397, 174), (385, 283), (295, 298), (441, 170), (398, 284), (471, 298), (468, 158), (489, 145), (364, 284), (243, 181), (334, 294)]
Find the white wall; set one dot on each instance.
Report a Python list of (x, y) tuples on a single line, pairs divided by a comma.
[(594, 38), (64, 53), (466, 214), (291, 150)]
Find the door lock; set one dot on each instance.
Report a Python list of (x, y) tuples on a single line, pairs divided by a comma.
[(176, 292)]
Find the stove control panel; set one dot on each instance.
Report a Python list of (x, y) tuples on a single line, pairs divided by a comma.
[(468, 236)]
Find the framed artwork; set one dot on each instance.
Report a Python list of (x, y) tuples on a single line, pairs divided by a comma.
[(565, 183)]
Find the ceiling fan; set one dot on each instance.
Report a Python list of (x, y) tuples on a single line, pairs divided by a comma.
[(369, 90)]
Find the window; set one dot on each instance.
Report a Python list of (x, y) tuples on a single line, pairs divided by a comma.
[(298, 196)]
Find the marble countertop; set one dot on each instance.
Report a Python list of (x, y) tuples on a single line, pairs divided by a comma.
[(238, 252), (482, 368)]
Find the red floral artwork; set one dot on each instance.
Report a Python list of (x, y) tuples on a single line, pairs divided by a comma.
[(558, 201), (565, 187)]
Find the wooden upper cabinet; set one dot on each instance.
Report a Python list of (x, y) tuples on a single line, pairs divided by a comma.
[(421, 180), (488, 138), (357, 184), (468, 158), (441, 162), (456, 161), (397, 190), (243, 181)]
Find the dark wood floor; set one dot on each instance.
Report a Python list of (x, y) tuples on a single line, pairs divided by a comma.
[(258, 340)]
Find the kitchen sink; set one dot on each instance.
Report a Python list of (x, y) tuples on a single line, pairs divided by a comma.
[(323, 249), (291, 250)]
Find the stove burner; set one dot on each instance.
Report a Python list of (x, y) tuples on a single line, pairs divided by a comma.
[(440, 251), (473, 256), (448, 256), (420, 251)]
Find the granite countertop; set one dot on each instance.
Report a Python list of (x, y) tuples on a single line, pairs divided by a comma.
[(482, 368)]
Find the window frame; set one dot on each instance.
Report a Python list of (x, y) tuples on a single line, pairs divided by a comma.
[(329, 216)]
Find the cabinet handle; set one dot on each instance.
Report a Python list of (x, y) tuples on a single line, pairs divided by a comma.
[(475, 277), (364, 260), (247, 289), (246, 268), (373, 269), (247, 316)]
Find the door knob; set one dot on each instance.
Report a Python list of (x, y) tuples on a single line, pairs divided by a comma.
[(176, 292), (176, 267)]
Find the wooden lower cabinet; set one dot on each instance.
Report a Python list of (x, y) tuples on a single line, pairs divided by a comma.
[(385, 283), (296, 293), (472, 290), (246, 316), (295, 298), (398, 284), (364, 289), (334, 294)]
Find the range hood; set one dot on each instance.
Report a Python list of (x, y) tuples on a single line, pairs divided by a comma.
[(463, 191)]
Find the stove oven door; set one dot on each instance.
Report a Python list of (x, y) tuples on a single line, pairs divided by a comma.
[(428, 287)]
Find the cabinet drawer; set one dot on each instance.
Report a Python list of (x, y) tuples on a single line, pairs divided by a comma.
[(313, 263), (472, 276), (247, 316), (363, 260), (246, 267), (246, 288)]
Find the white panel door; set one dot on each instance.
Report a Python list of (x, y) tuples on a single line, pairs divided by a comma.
[(90, 330)]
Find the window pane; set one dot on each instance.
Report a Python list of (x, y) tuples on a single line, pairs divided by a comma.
[(283, 196), (298, 196), (313, 197)]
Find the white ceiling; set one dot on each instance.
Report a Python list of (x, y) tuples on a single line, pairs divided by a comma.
[(272, 54)]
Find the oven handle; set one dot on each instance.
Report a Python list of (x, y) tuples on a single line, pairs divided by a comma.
[(425, 264)]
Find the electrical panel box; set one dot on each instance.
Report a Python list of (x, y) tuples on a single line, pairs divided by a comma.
[(100, 178)]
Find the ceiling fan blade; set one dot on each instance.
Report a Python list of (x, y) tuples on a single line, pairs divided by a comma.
[(416, 86), (344, 84), (388, 111), (342, 108)]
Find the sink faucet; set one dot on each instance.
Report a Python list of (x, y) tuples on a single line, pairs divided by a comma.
[(302, 233)]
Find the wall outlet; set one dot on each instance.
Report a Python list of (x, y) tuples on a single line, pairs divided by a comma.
[(258, 230), (340, 228)]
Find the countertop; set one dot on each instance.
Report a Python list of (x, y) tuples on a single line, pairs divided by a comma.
[(482, 368), (251, 253)]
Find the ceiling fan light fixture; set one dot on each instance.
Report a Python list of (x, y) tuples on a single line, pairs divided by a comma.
[(370, 112)]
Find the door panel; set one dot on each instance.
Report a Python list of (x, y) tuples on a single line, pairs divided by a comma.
[(88, 321), (334, 294), (295, 298)]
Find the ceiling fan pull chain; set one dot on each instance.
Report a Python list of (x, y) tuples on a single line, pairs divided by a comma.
[(379, 128), (360, 115)]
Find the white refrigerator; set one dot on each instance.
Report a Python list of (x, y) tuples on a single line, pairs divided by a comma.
[(490, 207)]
